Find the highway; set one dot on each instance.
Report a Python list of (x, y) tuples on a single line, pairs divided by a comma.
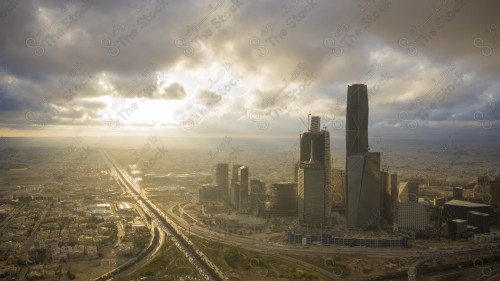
[(175, 225), (281, 250), (207, 269), (247, 243), (146, 259), (296, 249)]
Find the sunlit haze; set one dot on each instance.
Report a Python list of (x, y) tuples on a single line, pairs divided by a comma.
[(249, 140)]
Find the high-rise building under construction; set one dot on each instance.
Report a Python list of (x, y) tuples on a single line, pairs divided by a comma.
[(314, 176)]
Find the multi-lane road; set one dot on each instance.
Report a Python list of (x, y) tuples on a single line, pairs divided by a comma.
[(282, 250), (175, 225), (206, 268)]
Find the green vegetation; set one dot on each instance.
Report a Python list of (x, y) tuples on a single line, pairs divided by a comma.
[(169, 261), (243, 264), (232, 257)]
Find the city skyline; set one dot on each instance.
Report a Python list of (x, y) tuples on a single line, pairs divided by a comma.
[(222, 140)]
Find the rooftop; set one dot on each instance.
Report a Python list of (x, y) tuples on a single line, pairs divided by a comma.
[(465, 204)]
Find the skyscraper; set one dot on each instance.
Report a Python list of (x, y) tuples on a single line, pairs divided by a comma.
[(413, 191), (235, 186), (314, 183), (235, 195), (394, 194), (357, 119), (257, 196), (386, 201), (363, 190), (338, 189), (283, 199), (234, 175), (362, 167), (222, 178), (243, 190)]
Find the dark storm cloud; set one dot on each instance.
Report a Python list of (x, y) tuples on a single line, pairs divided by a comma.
[(294, 56)]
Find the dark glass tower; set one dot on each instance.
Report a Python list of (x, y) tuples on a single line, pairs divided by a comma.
[(357, 119), (222, 178), (364, 190)]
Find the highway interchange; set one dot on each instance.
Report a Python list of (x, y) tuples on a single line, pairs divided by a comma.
[(174, 226), (200, 262)]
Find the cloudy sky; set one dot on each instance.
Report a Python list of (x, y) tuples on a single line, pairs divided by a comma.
[(248, 68)]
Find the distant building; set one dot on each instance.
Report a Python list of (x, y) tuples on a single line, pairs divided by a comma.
[(338, 188), (234, 175), (283, 199), (257, 197), (243, 192), (439, 201), (235, 187), (481, 192), (209, 192), (394, 194), (458, 193), (412, 216), (403, 192), (456, 228), (408, 192), (345, 241), (457, 209), (495, 191), (296, 172), (479, 220), (386, 198), (235, 195), (413, 191), (222, 179)]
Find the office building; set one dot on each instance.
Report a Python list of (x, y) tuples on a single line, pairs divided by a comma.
[(458, 193), (338, 189), (222, 179), (283, 199), (386, 197), (314, 183), (234, 198), (457, 209), (362, 167), (363, 191), (258, 197), (357, 120), (413, 191), (394, 194), (296, 172), (234, 175), (311, 194), (480, 221), (495, 191), (235, 195), (457, 228), (243, 189), (412, 216), (209, 192), (481, 191)]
